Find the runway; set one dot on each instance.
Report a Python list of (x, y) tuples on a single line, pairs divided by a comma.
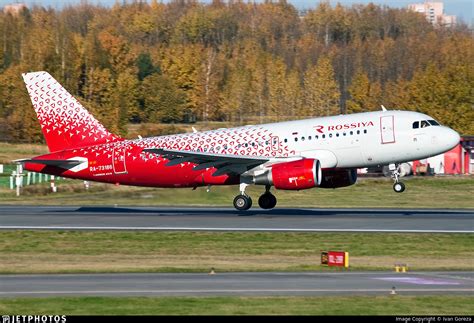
[(238, 284), (227, 219)]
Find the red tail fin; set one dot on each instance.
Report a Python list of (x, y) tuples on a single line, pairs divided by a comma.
[(64, 121)]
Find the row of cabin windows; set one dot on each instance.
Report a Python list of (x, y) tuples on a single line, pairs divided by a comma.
[(316, 137), (424, 124)]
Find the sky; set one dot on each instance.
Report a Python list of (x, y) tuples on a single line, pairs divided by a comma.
[(463, 9)]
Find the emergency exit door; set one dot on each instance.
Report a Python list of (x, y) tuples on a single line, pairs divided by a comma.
[(387, 129)]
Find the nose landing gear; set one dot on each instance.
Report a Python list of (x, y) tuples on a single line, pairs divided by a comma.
[(398, 186)]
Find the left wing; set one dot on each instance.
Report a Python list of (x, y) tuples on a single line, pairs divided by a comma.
[(225, 164)]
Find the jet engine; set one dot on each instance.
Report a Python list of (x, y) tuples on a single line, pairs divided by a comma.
[(296, 175), (333, 178)]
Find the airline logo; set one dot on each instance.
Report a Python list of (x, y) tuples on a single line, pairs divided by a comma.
[(345, 126)]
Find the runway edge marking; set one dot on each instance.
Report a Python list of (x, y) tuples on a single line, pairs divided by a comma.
[(15, 227)]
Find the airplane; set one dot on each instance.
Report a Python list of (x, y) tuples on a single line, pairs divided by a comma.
[(295, 155)]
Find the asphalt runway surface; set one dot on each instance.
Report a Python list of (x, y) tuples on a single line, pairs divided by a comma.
[(228, 219), (238, 284)]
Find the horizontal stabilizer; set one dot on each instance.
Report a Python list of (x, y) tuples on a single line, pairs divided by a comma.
[(73, 164), (51, 162)]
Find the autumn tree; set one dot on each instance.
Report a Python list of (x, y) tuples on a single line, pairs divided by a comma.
[(321, 90), (163, 100), (239, 61), (364, 95)]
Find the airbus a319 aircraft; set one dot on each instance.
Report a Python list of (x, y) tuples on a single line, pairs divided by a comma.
[(295, 155)]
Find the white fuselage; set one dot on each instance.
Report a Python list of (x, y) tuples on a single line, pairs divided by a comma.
[(344, 141)]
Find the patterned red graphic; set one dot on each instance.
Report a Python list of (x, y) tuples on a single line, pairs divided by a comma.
[(64, 121)]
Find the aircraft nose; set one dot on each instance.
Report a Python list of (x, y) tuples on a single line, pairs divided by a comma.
[(450, 138)]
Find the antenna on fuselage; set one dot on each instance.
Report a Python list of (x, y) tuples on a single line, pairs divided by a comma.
[(383, 108), (194, 130)]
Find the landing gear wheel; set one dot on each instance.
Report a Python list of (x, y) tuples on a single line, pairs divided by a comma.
[(242, 202), (267, 201), (399, 187)]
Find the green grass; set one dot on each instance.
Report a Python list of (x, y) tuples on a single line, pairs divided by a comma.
[(9, 152), (439, 192), (125, 251), (365, 305)]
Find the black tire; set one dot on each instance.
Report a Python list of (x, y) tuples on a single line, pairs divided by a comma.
[(267, 201), (399, 187), (242, 202)]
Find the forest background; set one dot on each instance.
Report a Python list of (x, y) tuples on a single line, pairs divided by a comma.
[(140, 63)]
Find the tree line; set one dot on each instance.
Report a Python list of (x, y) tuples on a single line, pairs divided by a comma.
[(182, 61)]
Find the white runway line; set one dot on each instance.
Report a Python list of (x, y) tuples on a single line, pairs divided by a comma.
[(16, 227), (204, 291)]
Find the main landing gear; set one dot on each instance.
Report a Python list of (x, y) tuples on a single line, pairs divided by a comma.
[(243, 202), (267, 200), (398, 186)]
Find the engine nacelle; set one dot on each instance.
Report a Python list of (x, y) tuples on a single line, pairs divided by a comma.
[(333, 178), (296, 175)]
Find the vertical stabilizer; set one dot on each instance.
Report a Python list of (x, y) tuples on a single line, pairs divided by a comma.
[(64, 121)]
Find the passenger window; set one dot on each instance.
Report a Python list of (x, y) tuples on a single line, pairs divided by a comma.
[(337, 134), (424, 124), (358, 132), (324, 136), (302, 138), (309, 137), (296, 139), (351, 133), (330, 135), (343, 133), (286, 140), (316, 137), (365, 130)]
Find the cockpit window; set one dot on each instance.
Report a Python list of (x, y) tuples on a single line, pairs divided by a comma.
[(425, 123)]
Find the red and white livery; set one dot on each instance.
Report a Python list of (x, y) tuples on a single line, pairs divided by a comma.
[(296, 155)]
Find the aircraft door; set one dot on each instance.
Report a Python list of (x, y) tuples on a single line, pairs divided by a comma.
[(387, 129), (118, 160)]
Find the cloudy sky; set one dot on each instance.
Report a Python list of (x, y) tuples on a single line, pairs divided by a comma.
[(463, 9)]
